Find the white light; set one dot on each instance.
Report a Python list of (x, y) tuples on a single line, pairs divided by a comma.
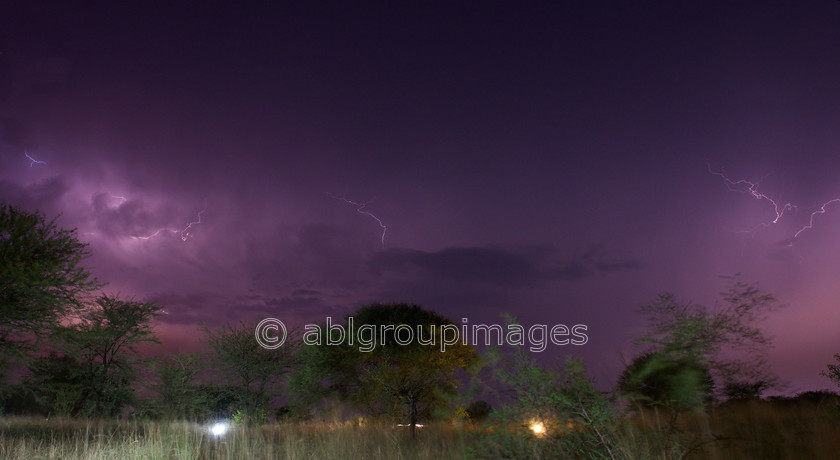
[(538, 428), (219, 429)]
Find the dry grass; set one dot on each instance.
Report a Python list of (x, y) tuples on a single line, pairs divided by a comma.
[(30, 438), (755, 429), (748, 429)]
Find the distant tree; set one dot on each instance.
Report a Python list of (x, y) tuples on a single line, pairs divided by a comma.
[(393, 376), (744, 390), (254, 374), (175, 384), (41, 279), (659, 379), (690, 340), (833, 370), (103, 340)]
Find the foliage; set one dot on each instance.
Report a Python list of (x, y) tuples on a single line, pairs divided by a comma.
[(258, 417), (103, 340), (221, 399), (689, 339), (578, 420), (833, 370), (740, 390), (57, 381), (659, 379), (21, 401), (396, 377), (478, 411), (41, 279), (253, 372), (175, 384)]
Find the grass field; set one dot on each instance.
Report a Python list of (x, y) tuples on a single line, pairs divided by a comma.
[(755, 429), (32, 438), (743, 430)]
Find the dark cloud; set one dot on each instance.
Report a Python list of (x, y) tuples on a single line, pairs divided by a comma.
[(43, 195), (595, 256), (293, 306), (496, 266), (213, 310)]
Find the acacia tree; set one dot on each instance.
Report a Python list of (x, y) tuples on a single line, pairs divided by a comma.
[(253, 373), (103, 341), (41, 279), (693, 341), (175, 382), (390, 374)]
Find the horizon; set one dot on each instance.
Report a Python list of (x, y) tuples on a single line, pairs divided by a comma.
[(562, 163)]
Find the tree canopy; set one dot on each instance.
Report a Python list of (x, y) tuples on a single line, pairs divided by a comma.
[(175, 382), (658, 379), (103, 340), (700, 348), (398, 375), (42, 278), (253, 372)]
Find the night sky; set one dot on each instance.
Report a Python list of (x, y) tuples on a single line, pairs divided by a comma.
[(547, 159)]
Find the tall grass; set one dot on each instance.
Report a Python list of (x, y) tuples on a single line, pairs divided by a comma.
[(66, 439), (741, 429), (752, 429)]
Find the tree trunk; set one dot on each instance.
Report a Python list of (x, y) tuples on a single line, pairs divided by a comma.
[(412, 420)]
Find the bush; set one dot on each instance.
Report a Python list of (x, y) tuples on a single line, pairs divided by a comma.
[(555, 414)]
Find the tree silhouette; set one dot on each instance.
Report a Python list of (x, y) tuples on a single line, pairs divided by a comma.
[(103, 340), (833, 370), (175, 383), (395, 375), (694, 346), (254, 374), (41, 279)]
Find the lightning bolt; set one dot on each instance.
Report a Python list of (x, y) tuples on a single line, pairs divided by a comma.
[(34, 161), (118, 197), (185, 233), (821, 210), (745, 186), (152, 235), (360, 208)]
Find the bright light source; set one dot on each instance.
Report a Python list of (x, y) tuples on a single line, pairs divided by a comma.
[(219, 429), (538, 428)]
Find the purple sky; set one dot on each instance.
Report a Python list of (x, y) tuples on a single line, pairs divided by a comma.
[(545, 160)]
